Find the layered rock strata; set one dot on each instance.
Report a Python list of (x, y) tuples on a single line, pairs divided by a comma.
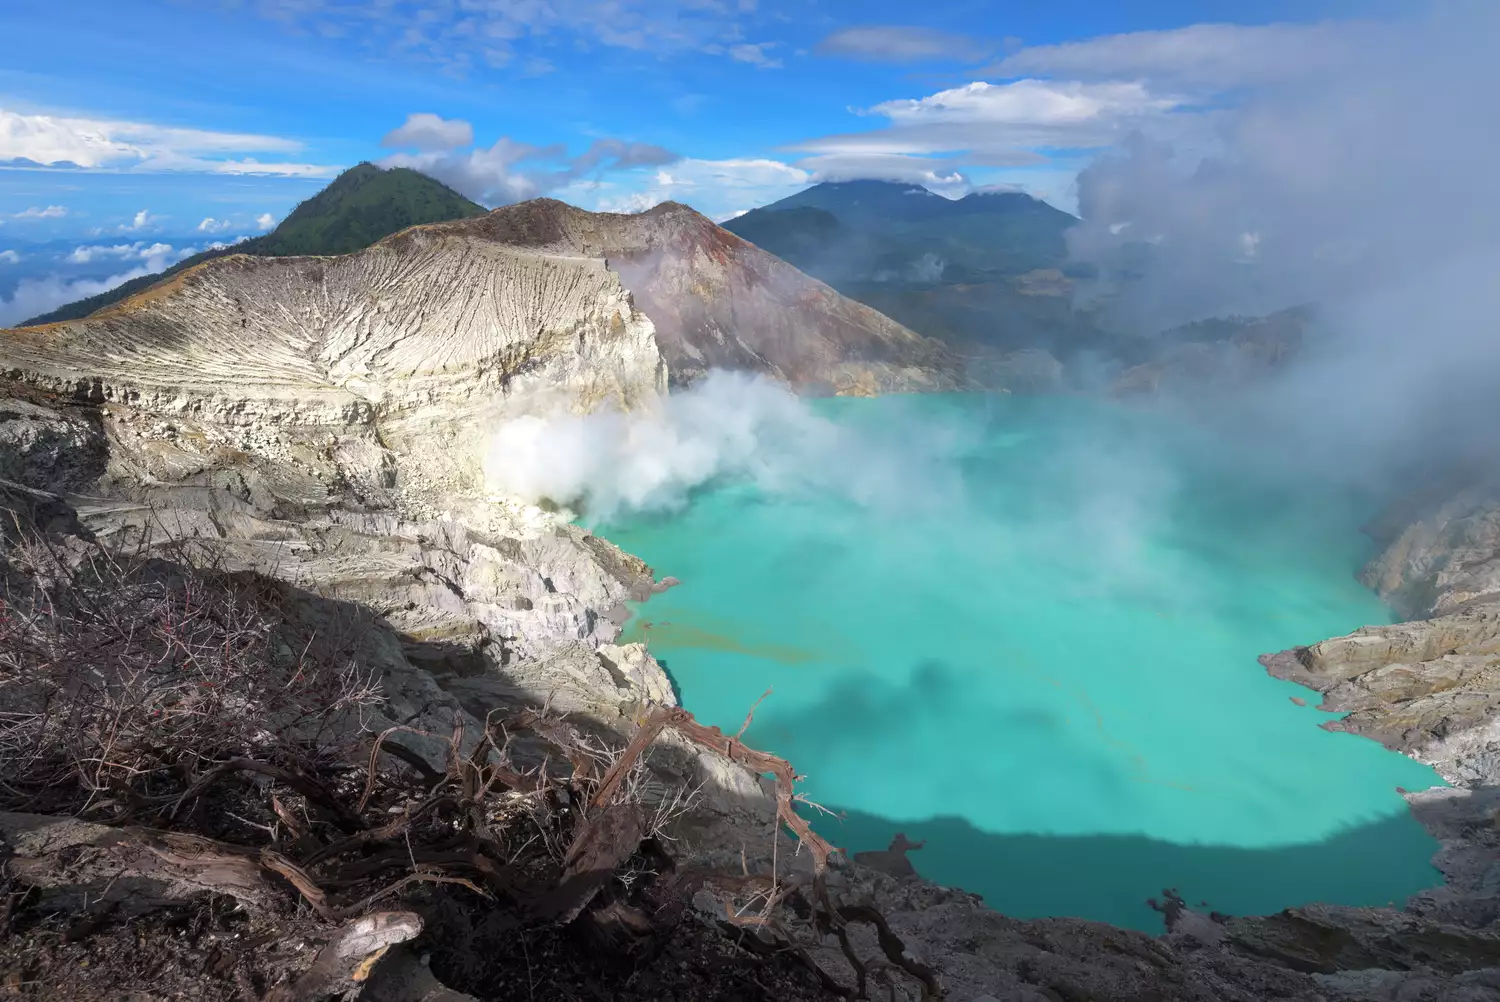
[(721, 302)]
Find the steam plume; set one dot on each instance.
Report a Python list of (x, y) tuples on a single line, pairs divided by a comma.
[(727, 426)]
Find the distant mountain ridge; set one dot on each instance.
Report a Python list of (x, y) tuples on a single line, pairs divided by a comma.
[(989, 274), (361, 206), (853, 230)]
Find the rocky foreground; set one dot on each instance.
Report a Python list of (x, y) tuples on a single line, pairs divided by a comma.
[(315, 429)]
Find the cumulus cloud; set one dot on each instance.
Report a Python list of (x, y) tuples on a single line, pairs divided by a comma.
[(901, 44), (709, 184), (939, 139), (140, 221), (616, 154), (42, 212), (9, 257), (34, 296), (265, 221), (490, 175), (427, 132), (37, 295), (1030, 103), (212, 225), (107, 144), (1006, 121), (160, 254), (510, 171)]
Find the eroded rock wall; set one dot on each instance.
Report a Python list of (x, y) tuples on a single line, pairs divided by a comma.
[(720, 302), (377, 371)]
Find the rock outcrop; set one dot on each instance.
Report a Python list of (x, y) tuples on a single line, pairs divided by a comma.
[(720, 302), (1428, 687)]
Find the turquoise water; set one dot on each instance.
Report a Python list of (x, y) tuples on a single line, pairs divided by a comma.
[(1026, 632)]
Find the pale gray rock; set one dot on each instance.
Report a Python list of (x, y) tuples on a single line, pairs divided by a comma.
[(720, 302), (1444, 560), (1428, 687), (47, 447)]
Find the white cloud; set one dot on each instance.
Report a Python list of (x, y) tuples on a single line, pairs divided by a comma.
[(427, 132), (105, 144), (161, 254), (1069, 101), (510, 171), (755, 54), (1042, 103), (34, 296), (40, 212), (1314, 189), (636, 201), (1215, 55), (265, 221), (489, 174), (140, 221), (940, 139), (900, 44), (931, 172), (713, 187), (9, 257), (212, 225), (247, 166)]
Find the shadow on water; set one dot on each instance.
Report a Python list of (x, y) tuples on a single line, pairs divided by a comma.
[(1105, 877), (1110, 877)]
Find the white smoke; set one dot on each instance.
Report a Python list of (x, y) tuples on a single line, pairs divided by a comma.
[(728, 427), (1363, 186)]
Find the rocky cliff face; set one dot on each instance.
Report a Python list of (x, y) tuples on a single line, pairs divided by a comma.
[(1428, 687), (308, 381), (720, 302)]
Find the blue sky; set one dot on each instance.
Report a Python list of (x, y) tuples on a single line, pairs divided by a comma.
[(134, 132)]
